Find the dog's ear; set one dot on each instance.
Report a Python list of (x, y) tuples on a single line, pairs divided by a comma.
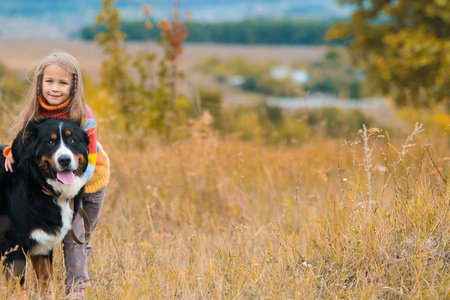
[(43, 120), (86, 138), (25, 143)]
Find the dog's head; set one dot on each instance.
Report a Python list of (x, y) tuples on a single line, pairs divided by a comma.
[(57, 148)]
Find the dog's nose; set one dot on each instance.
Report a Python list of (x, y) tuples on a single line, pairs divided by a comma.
[(64, 160)]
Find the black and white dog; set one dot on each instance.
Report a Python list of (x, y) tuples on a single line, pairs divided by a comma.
[(35, 212)]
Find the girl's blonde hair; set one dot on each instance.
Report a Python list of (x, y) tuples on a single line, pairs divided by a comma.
[(30, 108)]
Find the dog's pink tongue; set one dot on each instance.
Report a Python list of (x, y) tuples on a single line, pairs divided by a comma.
[(66, 177)]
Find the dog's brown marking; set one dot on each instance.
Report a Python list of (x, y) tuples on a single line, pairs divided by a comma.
[(43, 166), (43, 268), (54, 136), (68, 132), (82, 162)]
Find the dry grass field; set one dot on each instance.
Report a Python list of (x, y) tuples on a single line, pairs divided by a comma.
[(216, 218), (213, 217)]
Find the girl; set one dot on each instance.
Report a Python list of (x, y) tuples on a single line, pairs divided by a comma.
[(57, 91)]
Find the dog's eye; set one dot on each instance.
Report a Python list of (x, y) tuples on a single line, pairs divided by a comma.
[(71, 140), (51, 142)]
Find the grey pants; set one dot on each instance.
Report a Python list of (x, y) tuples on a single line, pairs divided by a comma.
[(75, 255)]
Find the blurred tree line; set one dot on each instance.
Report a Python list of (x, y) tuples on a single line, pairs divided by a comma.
[(404, 45), (333, 75), (254, 31), (273, 125)]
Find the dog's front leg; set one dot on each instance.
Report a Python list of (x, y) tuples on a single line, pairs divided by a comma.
[(42, 265)]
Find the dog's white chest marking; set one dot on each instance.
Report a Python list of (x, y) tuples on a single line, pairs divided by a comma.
[(46, 241), (68, 191)]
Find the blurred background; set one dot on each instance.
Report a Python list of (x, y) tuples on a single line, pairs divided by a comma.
[(259, 149), (324, 61)]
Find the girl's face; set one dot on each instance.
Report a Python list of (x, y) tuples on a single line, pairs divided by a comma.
[(56, 84)]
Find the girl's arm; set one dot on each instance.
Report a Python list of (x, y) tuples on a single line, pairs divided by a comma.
[(9, 160), (89, 125), (7, 153)]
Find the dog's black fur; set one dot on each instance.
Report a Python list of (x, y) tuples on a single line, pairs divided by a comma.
[(31, 221)]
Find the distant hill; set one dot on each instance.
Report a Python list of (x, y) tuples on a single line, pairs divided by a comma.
[(58, 19)]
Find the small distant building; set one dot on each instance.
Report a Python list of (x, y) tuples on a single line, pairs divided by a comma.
[(280, 72), (236, 80), (300, 76), (283, 72)]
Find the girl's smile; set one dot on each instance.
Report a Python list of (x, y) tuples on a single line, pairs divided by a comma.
[(56, 84)]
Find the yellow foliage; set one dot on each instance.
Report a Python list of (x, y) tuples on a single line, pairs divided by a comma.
[(442, 121), (407, 54), (435, 118)]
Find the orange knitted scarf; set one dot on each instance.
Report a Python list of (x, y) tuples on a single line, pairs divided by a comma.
[(45, 105)]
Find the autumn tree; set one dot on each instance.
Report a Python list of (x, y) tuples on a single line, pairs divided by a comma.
[(404, 45), (143, 87), (173, 33), (114, 72)]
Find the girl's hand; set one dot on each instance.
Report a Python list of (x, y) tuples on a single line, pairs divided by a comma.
[(9, 161)]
